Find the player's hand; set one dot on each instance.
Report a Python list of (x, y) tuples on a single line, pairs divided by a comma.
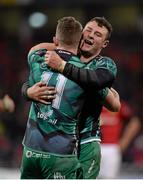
[(54, 61), (8, 104), (41, 93)]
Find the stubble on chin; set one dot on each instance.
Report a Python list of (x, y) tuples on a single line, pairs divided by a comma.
[(85, 54)]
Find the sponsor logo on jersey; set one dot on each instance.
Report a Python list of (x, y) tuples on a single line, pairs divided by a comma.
[(46, 116)]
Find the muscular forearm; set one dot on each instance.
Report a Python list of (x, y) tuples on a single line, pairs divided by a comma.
[(87, 78), (48, 46), (112, 101)]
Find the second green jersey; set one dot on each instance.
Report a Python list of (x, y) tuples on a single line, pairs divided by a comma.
[(90, 120)]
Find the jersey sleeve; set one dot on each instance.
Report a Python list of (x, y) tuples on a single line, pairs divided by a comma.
[(103, 75), (102, 94), (108, 64), (24, 88), (35, 57)]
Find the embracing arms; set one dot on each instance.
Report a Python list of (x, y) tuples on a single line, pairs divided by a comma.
[(98, 78), (87, 78)]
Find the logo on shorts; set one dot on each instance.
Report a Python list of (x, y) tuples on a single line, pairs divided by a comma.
[(29, 154), (58, 175), (91, 166)]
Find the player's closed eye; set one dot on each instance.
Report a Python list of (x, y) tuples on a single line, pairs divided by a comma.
[(98, 34), (88, 30)]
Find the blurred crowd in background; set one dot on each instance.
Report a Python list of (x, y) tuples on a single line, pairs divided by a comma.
[(24, 23)]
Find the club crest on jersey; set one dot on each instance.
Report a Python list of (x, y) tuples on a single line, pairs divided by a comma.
[(43, 65)]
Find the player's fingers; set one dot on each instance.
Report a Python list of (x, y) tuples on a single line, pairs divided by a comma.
[(48, 97), (40, 83), (51, 91), (50, 87), (44, 102), (51, 97), (44, 88)]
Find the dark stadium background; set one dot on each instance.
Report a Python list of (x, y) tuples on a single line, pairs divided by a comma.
[(18, 33)]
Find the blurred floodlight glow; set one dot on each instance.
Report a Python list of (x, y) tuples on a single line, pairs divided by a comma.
[(37, 20)]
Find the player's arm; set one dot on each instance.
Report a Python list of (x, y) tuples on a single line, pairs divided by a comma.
[(112, 101), (48, 46), (86, 78), (130, 132), (39, 92)]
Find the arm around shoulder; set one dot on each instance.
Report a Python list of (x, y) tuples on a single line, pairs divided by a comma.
[(48, 46)]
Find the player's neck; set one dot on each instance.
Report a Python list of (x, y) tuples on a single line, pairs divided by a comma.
[(88, 57), (68, 48)]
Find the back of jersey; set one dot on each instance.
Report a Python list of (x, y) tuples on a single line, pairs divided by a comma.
[(53, 128)]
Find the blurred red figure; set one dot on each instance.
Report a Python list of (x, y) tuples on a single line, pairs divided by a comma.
[(113, 143)]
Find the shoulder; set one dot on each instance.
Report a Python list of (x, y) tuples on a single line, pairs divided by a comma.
[(75, 60), (107, 63), (105, 60), (34, 55)]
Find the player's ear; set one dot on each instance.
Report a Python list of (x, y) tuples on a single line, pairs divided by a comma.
[(55, 40), (106, 42)]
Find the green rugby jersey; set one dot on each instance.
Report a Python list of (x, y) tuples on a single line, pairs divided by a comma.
[(89, 120), (53, 128)]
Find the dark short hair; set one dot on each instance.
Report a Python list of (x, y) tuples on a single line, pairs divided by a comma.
[(69, 30), (102, 21)]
